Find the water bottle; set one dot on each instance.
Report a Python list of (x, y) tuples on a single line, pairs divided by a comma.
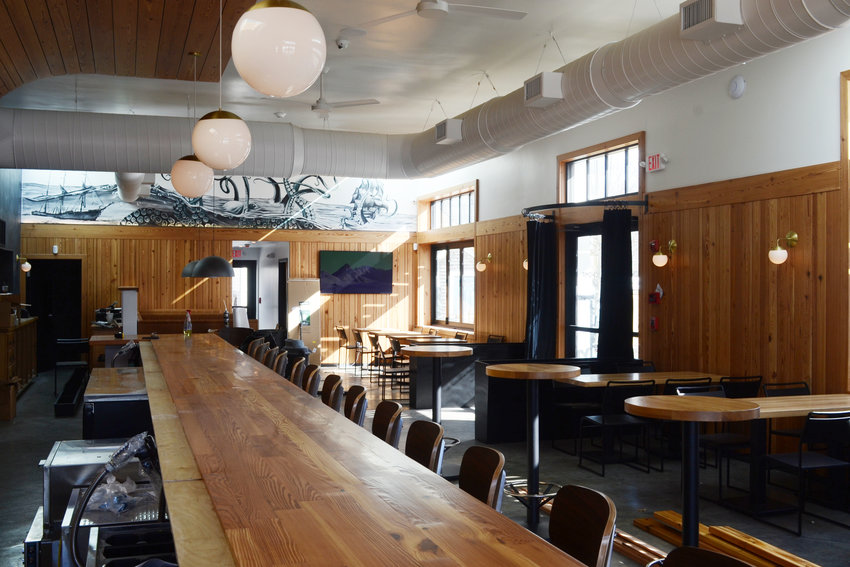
[(187, 325)]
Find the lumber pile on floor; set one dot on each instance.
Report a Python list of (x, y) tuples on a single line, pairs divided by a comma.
[(667, 525)]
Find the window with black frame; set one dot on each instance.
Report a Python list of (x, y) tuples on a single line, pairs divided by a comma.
[(453, 284), (583, 286)]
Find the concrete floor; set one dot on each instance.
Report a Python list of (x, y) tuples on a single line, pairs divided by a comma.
[(28, 439)]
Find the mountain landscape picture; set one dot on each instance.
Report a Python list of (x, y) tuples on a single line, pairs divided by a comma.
[(355, 272)]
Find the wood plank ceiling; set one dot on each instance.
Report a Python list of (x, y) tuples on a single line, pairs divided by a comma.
[(131, 38)]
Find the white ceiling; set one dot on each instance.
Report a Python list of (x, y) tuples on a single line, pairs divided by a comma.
[(407, 64)]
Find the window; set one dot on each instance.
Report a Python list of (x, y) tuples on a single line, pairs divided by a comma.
[(453, 210), (584, 265), (610, 173), (453, 284)]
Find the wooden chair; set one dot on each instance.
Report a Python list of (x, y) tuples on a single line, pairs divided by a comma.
[(387, 422), (461, 335), (582, 524), (280, 362), (425, 444), (344, 344), (310, 381), (296, 371), (254, 345), (432, 331), (697, 557), (824, 446), (332, 392), (269, 358), (260, 353), (482, 474), (356, 404)]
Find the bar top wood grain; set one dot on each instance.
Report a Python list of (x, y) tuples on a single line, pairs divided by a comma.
[(115, 382), (294, 483), (532, 371), (436, 351), (693, 408)]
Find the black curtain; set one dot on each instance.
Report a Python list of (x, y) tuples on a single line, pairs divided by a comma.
[(615, 296), (541, 317)]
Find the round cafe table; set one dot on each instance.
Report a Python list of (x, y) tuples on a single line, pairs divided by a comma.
[(691, 410), (531, 373), (437, 352)]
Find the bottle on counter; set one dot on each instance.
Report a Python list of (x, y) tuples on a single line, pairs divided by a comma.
[(187, 325)]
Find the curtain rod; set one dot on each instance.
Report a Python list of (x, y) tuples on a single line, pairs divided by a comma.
[(532, 211)]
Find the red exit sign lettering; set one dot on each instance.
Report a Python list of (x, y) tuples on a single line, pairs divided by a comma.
[(237, 253), (654, 163)]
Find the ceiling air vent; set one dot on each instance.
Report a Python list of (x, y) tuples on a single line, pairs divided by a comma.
[(704, 20), (448, 131), (543, 89)]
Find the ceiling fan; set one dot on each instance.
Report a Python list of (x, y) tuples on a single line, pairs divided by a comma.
[(433, 9), (323, 107)]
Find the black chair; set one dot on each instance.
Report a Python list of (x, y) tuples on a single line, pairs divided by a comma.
[(461, 335), (296, 371), (495, 338), (310, 380), (387, 422), (613, 423), (669, 432), (583, 524), (424, 444), (332, 392), (741, 386), (824, 445), (68, 353), (772, 389), (365, 349), (344, 344)]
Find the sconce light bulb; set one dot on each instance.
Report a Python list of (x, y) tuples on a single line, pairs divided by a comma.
[(26, 266), (777, 255), (525, 264), (480, 266), (659, 259)]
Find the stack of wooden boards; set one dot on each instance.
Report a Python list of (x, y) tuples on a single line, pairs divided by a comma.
[(667, 525)]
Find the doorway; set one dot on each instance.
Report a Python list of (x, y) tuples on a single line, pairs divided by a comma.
[(245, 286), (57, 305), (282, 311)]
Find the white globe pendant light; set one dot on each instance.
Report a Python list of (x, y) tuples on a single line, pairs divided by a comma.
[(279, 48), (221, 140), (191, 177)]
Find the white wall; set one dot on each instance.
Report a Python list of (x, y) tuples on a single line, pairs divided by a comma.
[(788, 117)]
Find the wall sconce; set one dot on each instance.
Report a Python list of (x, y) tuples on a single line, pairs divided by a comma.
[(660, 258), (481, 266), (778, 255), (525, 264), (25, 266)]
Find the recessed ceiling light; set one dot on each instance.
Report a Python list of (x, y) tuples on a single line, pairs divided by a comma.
[(280, 114)]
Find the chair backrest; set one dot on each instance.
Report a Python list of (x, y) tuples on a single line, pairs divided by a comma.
[(343, 336), (310, 381), (424, 444), (741, 386), (280, 362), (461, 335), (828, 430), (710, 390), (358, 337), (356, 404), (332, 392), (699, 557), (480, 474), (496, 338), (260, 352), (254, 345), (235, 335), (432, 331), (582, 523), (618, 391), (270, 356), (786, 389), (387, 422), (296, 371), (672, 383)]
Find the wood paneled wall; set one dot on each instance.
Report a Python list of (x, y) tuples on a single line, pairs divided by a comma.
[(500, 291), (726, 308)]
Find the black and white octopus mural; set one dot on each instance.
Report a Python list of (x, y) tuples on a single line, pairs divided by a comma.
[(308, 202)]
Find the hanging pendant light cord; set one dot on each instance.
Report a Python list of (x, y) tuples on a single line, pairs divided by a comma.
[(220, 70)]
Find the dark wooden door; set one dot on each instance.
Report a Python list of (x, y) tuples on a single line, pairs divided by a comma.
[(53, 291)]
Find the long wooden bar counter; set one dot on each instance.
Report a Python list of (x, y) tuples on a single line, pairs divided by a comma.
[(257, 472)]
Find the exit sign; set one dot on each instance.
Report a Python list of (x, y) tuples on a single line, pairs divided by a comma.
[(237, 253), (654, 163)]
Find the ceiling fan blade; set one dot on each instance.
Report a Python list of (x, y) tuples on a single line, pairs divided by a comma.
[(379, 21), (360, 102), (487, 11)]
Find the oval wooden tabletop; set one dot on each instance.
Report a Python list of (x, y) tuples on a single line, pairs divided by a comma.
[(532, 371), (293, 482), (692, 408), (436, 351)]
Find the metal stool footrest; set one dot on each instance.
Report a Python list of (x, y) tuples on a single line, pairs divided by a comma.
[(546, 491)]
